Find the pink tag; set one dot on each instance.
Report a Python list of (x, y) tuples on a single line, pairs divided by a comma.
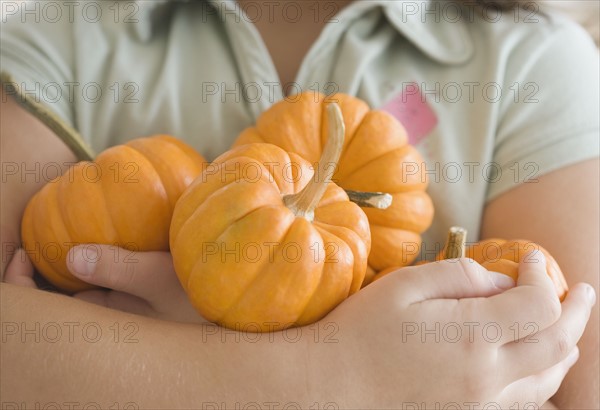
[(412, 110)]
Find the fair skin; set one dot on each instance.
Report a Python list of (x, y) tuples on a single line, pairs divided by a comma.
[(287, 42), (362, 368), (379, 369), (572, 238)]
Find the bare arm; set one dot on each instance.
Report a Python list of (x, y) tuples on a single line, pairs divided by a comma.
[(57, 349), (31, 155), (106, 356), (561, 212)]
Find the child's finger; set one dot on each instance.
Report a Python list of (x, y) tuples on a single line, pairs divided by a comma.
[(548, 347), (529, 267), (448, 279), (533, 300), (143, 274), (20, 270), (541, 387)]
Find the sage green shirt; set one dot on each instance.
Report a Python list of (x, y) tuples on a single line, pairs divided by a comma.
[(490, 102)]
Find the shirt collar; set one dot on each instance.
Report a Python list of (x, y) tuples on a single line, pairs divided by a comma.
[(431, 25), (437, 28)]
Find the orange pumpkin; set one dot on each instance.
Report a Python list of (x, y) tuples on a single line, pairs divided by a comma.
[(376, 157), (501, 256), (259, 244), (124, 198)]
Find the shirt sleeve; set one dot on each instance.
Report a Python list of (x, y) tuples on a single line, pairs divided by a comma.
[(36, 51), (549, 115)]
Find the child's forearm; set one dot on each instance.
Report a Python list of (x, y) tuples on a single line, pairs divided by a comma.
[(356, 357), (59, 349)]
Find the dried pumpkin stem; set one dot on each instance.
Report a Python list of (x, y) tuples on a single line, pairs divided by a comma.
[(379, 200), (455, 245), (303, 203)]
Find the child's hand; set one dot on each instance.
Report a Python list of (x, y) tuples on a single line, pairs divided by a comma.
[(424, 337), (138, 282)]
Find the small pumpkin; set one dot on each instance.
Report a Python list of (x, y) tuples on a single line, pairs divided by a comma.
[(498, 255), (260, 245), (124, 198), (376, 157)]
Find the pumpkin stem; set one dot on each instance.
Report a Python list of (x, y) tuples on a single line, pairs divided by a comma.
[(303, 203), (455, 244), (379, 200)]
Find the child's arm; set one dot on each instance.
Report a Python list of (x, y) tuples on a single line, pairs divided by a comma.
[(561, 213), (31, 155), (362, 355)]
